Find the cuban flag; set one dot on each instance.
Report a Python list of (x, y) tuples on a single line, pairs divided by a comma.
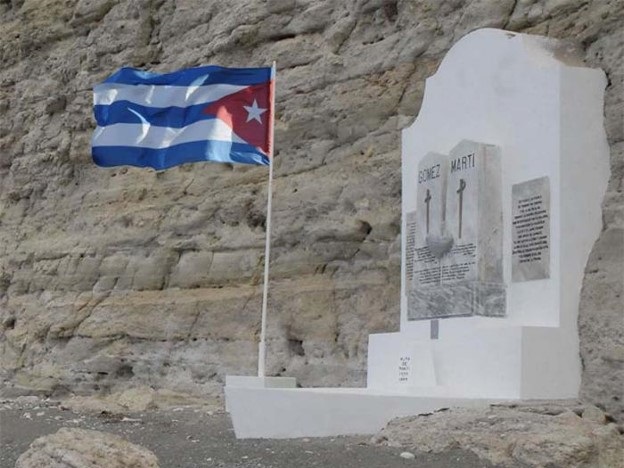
[(206, 113)]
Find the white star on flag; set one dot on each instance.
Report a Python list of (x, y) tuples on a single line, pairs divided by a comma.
[(254, 112)]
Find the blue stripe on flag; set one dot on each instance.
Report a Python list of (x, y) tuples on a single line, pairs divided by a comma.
[(197, 76), (129, 112), (164, 158)]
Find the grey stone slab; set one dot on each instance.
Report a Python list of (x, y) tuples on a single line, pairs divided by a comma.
[(423, 267), (464, 298), (430, 194), (462, 271), (530, 230), (411, 224), (474, 213)]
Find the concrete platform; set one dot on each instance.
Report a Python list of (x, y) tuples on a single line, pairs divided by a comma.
[(284, 413)]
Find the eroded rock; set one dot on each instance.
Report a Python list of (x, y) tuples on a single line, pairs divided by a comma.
[(548, 435), (138, 399), (80, 448)]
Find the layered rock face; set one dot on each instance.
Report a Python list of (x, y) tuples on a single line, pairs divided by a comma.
[(114, 278)]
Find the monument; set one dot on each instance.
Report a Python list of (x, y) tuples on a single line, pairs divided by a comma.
[(504, 171)]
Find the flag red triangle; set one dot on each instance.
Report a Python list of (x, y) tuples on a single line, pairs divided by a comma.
[(248, 113)]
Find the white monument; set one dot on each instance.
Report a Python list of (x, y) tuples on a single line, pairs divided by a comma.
[(504, 173)]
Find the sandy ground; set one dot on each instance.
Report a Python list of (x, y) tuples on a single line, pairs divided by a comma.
[(190, 438)]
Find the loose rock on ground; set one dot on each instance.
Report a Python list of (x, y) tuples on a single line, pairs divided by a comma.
[(80, 448), (530, 434)]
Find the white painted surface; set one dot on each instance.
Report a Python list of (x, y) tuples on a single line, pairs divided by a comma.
[(309, 412), (513, 91), (384, 361), (246, 381), (456, 362)]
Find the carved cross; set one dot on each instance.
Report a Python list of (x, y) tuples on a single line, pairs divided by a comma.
[(427, 201), (460, 191)]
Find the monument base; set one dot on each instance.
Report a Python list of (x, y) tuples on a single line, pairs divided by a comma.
[(408, 376), (250, 382), (284, 413), (528, 362)]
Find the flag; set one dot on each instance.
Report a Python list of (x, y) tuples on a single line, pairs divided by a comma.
[(197, 114)]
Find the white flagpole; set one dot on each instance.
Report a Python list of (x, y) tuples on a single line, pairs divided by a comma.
[(267, 246)]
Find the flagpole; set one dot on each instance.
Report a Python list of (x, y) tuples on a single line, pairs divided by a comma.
[(267, 246)]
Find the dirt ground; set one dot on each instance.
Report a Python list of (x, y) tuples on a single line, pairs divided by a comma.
[(189, 438)]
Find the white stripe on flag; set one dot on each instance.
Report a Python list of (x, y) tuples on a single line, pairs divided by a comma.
[(161, 95), (149, 136)]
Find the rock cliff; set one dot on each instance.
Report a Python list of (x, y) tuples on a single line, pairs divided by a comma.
[(111, 279)]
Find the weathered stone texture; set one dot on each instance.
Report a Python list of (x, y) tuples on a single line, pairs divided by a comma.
[(78, 448), (116, 278), (539, 435)]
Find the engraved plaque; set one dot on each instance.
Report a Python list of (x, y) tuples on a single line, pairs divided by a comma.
[(530, 230), (430, 196), (411, 224), (465, 252)]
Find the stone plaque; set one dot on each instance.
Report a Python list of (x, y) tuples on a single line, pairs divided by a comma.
[(430, 197), (411, 224), (530, 230), (466, 276)]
